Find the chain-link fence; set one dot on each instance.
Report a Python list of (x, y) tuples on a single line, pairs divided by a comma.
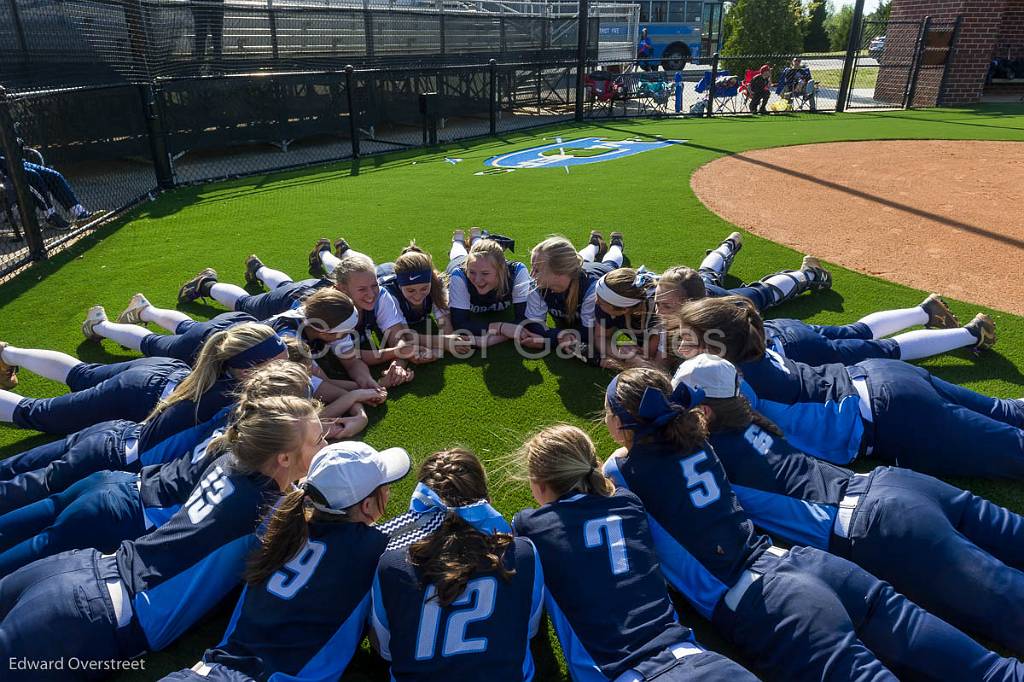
[(158, 103)]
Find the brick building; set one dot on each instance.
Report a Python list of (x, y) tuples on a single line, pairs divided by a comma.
[(989, 28)]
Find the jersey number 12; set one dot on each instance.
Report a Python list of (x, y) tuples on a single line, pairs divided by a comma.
[(478, 597)]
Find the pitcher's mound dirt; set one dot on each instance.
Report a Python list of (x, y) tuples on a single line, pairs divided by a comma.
[(945, 216)]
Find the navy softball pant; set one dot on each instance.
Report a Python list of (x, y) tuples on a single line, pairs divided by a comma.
[(815, 616), (189, 336), (99, 511), (100, 449), (123, 390), (924, 423), (761, 295), (59, 608), (817, 345), (956, 554), (212, 673), (279, 300)]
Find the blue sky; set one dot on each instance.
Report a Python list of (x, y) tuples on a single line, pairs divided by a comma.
[(869, 5)]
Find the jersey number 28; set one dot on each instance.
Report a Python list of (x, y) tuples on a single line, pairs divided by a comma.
[(478, 598)]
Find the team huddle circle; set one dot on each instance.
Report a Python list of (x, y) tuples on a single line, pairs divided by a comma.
[(228, 455)]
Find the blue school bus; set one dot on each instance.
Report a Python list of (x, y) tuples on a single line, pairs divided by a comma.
[(680, 31)]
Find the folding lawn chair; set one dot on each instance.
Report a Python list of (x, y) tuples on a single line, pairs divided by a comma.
[(726, 91)]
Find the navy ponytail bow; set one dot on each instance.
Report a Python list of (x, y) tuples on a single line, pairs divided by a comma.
[(656, 409)]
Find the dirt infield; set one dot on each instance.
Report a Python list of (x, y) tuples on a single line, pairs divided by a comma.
[(945, 216)]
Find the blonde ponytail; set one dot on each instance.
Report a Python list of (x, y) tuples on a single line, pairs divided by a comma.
[(563, 458)]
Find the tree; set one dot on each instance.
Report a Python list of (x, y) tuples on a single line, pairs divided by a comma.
[(838, 27), (764, 27), (882, 12), (816, 39)]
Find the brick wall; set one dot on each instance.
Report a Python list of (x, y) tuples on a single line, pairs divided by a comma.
[(1011, 34), (986, 24)]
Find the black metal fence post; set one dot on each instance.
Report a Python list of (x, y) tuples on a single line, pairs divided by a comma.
[(711, 88), (583, 27), (852, 48), (19, 30), (949, 60), (272, 21), (162, 166), (915, 68), (16, 174), (353, 124), (493, 64)]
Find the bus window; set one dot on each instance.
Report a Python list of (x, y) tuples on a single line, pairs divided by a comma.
[(645, 12), (692, 12), (659, 11), (677, 12)]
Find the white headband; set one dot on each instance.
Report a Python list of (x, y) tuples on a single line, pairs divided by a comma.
[(606, 293), (346, 326)]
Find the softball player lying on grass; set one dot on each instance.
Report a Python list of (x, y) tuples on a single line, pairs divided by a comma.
[(304, 608), (122, 445), (585, 527), (164, 392), (890, 409), (322, 324), (567, 289), (799, 614), (848, 344), (357, 279), (108, 506), (898, 524), (771, 291), (463, 602), (481, 281), (151, 590)]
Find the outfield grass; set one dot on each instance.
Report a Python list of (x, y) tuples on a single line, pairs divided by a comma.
[(864, 78), (487, 404)]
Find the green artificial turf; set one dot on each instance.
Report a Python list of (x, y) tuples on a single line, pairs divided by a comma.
[(379, 204)]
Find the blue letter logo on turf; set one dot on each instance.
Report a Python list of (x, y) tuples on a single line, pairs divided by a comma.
[(561, 154)]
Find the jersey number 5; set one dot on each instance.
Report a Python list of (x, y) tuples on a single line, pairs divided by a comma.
[(296, 573), (597, 531), (701, 484), (478, 597)]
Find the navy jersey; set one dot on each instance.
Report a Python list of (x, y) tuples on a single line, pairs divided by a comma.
[(304, 622), (544, 301), (185, 414), (163, 488), (703, 537), (385, 314), (305, 288), (414, 315), (782, 380), (785, 492), (181, 443), (482, 635), (619, 615), (178, 572), (464, 300)]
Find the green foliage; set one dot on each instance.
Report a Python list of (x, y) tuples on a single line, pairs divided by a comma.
[(765, 27), (838, 27), (882, 12), (487, 404), (815, 36)]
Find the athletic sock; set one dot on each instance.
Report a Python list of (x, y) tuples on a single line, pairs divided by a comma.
[(272, 278), (50, 364), (588, 253), (923, 343), (886, 322), (613, 255), (457, 251), (226, 294), (128, 335), (8, 402), (787, 281), (168, 319), (329, 261)]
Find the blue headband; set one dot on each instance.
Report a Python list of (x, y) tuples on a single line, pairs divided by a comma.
[(655, 409), (268, 348), (414, 277), (481, 515)]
